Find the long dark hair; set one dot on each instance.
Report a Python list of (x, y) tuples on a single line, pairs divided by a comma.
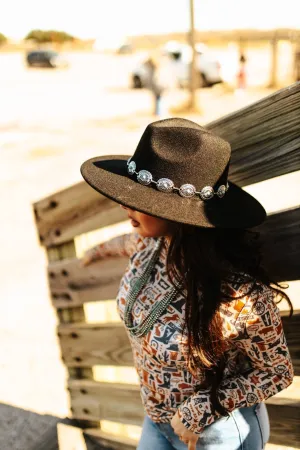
[(204, 259)]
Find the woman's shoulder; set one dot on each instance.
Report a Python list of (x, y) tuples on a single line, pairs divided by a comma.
[(245, 298), (137, 243)]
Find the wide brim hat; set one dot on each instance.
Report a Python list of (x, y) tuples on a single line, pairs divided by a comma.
[(179, 172)]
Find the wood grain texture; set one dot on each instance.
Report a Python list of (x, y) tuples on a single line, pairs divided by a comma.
[(86, 345), (73, 211), (59, 253), (72, 284), (285, 424), (108, 344), (264, 137), (106, 401)]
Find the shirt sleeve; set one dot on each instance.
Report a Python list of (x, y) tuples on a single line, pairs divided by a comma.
[(260, 337), (124, 245)]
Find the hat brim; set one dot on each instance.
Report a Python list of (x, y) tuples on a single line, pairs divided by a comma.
[(108, 175)]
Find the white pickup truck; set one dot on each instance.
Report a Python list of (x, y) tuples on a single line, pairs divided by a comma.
[(179, 61)]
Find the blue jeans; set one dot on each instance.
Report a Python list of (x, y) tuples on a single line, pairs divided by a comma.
[(243, 429)]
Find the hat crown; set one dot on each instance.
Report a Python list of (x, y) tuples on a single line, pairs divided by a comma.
[(184, 152), (174, 174)]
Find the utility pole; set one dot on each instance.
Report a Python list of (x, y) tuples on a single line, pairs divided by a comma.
[(274, 61), (193, 73)]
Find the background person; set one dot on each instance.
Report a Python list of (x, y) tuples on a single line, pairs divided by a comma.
[(155, 85), (241, 75)]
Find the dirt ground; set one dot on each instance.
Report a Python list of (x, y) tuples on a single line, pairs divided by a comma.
[(50, 122)]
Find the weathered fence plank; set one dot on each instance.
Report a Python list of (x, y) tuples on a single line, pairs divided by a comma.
[(106, 401), (71, 274), (264, 137), (107, 344), (88, 344), (284, 419), (69, 298), (71, 284), (73, 211)]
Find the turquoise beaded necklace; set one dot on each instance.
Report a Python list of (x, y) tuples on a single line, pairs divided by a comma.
[(145, 326)]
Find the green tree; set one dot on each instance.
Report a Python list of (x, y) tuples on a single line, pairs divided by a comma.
[(3, 39), (43, 36)]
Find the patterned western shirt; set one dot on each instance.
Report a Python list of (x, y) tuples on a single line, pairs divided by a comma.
[(258, 364)]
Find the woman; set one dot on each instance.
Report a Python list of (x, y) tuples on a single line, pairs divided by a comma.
[(199, 310)]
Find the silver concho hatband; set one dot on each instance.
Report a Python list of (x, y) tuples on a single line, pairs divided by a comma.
[(166, 185)]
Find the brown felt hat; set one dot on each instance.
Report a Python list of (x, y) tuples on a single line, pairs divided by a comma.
[(178, 172)]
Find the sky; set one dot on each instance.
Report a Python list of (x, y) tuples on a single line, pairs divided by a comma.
[(96, 18)]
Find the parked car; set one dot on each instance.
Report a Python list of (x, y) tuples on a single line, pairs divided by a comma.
[(179, 59), (45, 58)]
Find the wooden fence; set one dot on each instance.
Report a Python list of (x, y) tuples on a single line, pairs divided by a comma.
[(265, 143)]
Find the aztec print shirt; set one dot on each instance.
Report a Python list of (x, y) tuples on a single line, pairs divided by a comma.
[(258, 364)]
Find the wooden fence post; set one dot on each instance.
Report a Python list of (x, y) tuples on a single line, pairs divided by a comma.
[(71, 315)]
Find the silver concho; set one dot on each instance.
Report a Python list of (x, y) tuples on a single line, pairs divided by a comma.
[(131, 167), (207, 193), (221, 191), (144, 177), (187, 190), (165, 185)]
